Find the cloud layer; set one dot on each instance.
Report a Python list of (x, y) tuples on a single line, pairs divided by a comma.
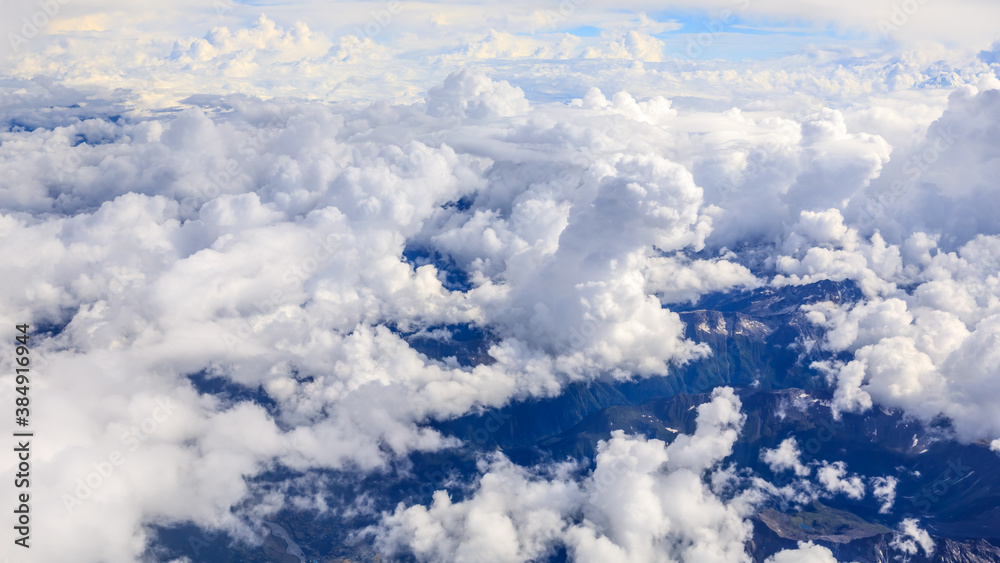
[(275, 206)]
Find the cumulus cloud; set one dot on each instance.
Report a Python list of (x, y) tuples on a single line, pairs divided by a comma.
[(786, 456), (910, 538), (884, 490), (927, 350), (834, 478), (807, 552), (676, 280), (919, 340), (941, 184), (821, 247), (631, 45), (466, 94)]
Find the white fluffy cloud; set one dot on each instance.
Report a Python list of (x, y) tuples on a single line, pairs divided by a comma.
[(807, 552), (929, 350), (884, 489), (910, 538), (786, 456), (834, 478)]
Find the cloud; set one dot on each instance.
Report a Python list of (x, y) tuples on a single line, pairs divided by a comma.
[(821, 247), (631, 45), (785, 456), (940, 184), (884, 489), (833, 477), (677, 280), (927, 350), (719, 424), (807, 552), (475, 96), (910, 537)]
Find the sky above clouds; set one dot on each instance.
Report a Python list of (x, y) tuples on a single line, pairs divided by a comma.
[(271, 194)]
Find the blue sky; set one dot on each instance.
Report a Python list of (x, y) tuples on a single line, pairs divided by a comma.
[(741, 35)]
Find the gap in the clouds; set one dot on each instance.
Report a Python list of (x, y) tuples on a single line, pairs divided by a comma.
[(585, 31), (176, 541), (462, 204), (230, 393), (55, 114), (19, 126), (758, 340), (94, 139), (879, 443), (875, 444), (48, 329), (467, 343), (770, 301), (455, 279)]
